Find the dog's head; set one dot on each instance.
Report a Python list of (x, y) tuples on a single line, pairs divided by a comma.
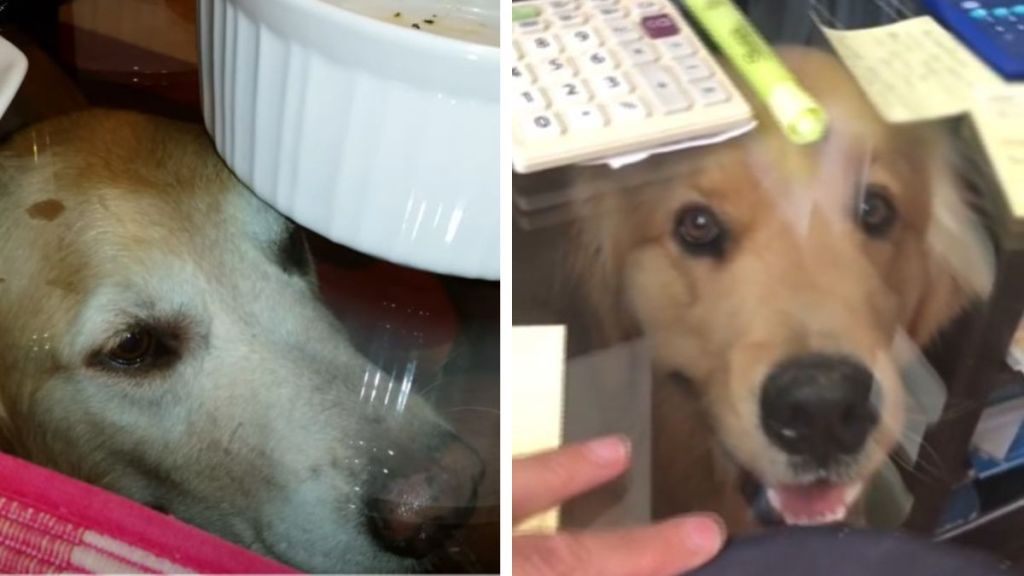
[(773, 280), (161, 336)]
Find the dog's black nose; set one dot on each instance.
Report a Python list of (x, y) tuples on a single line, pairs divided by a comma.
[(819, 407), (417, 505)]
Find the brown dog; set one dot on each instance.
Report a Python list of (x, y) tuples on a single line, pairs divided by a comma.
[(772, 280)]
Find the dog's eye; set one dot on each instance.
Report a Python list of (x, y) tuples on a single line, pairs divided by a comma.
[(875, 212), (133, 348), (699, 231)]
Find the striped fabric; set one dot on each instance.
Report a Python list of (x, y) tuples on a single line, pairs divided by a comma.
[(50, 523)]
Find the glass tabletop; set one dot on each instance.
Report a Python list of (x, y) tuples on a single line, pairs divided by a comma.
[(416, 352)]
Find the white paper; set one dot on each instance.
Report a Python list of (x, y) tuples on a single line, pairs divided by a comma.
[(617, 162)]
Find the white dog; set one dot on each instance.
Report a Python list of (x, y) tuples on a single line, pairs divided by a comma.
[(161, 337)]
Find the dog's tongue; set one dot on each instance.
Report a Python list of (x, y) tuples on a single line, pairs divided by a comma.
[(810, 504)]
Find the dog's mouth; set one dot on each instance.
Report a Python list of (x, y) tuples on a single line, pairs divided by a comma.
[(813, 504)]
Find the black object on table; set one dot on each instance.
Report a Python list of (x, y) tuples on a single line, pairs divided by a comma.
[(840, 551)]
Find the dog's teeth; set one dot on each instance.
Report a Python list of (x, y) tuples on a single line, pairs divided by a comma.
[(831, 517)]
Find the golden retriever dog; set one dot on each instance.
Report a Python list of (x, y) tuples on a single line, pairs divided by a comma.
[(161, 336), (772, 281)]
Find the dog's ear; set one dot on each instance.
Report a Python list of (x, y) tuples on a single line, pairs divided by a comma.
[(961, 260)]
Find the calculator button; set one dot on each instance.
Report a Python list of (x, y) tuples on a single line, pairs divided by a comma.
[(568, 5), (649, 7), (970, 5), (525, 12), (638, 53), (531, 99), (1001, 12), (979, 13), (665, 88), (710, 92), (541, 46), (628, 110), (570, 19), (676, 46), (693, 68), (598, 60), (611, 85), (600, 3), (611, 12), (1018, 9), (521, 75), (541, 126), (556, 69), (585, 117), (622, 30), (659, 26), (570, 93), (530, 26), (580, 40)]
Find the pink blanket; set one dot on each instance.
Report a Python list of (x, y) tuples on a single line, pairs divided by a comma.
[(52, 523)]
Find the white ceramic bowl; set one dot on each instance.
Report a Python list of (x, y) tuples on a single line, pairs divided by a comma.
[(378, 136), (13, 66)]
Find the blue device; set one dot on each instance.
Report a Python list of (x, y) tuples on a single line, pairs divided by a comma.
[(992, 29)]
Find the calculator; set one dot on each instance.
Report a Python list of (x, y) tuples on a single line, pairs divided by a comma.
[(994, 30), (595, 79)]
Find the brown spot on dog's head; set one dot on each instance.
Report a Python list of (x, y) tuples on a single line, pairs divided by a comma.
[(48, 210)]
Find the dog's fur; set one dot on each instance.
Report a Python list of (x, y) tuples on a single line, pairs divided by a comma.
[(259, 425), (797, 276)]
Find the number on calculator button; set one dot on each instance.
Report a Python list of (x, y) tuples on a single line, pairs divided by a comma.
[(541, 46), (585, 117), (628, 110), (611, 85), (521, 75), (580, 39), (570, 93), (531, 99), (599, 60), (541, 126), (557, 69)]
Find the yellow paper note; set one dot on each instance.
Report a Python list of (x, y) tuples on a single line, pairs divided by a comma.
[(536, 392), (999, 120), (912, 70)]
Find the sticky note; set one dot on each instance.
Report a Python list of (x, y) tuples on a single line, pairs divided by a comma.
[(912, 70)]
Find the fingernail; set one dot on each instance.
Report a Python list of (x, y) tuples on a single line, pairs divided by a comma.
[(704, 532), (608, 450)]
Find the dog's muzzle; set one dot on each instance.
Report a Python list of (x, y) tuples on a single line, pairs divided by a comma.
[(415, 507)]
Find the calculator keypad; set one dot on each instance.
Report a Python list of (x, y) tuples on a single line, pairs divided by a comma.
[(594, 65)]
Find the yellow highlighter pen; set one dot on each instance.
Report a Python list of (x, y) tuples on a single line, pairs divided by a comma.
[(799, 116)]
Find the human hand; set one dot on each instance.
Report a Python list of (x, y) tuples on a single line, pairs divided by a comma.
[(545, 480)]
